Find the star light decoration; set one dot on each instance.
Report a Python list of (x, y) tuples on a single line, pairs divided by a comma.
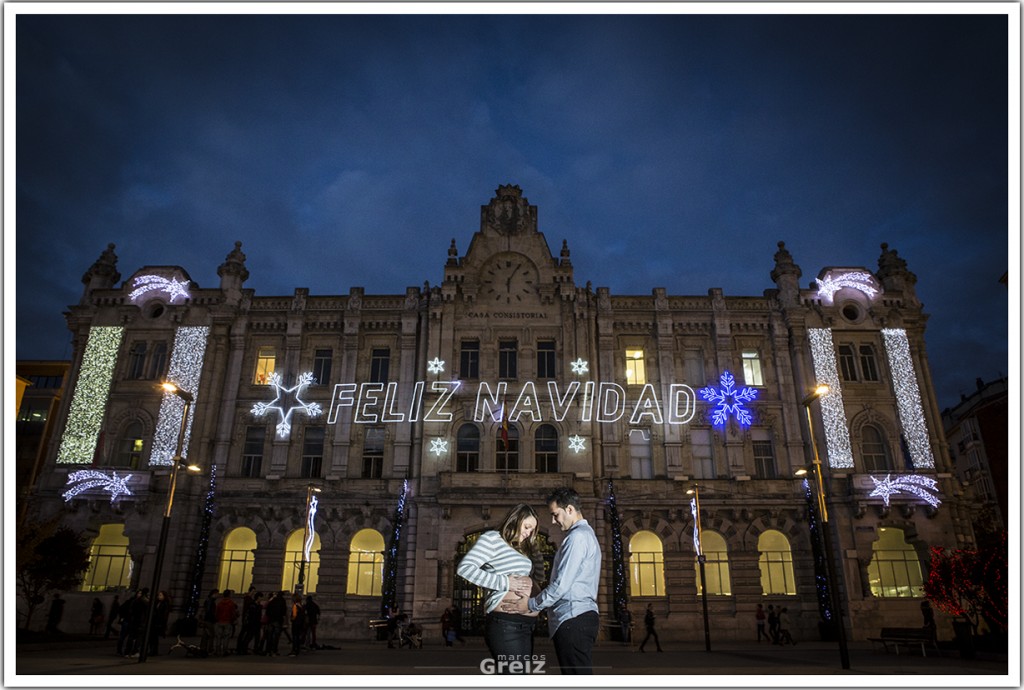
[(580, 367), (438, 446), (435, 366), (858, 280), (915, 484), (577, 443), (155, 283), (284, 426), (729, 401), (84, 480)]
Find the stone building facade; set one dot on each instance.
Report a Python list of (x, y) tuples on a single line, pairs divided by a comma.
[(506, 380)]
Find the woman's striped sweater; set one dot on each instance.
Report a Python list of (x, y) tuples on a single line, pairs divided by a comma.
[(489, 563)]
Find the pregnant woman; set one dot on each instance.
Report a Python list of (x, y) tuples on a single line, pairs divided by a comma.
[(495, 556)]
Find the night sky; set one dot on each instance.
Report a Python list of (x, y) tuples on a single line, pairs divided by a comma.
[(670, 151)]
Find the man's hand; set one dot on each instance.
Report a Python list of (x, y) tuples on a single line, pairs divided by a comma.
[(520, 605), (520, 584)]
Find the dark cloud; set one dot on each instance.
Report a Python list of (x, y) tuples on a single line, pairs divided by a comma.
[(670, 151)]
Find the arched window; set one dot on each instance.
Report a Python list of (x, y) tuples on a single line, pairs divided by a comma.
[(467, 449), (776, 562), (895, 569), (646, 565), (293, 563), (716, 567), (875, 449), (366, 563), (129, 446), (110, 565), (506, 457), (237, 559), (545, 448)]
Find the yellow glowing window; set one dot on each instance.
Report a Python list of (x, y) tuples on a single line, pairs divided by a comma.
[(110, 565), (716, 569), (776, 563), (366, 563), (752, 368), (646, 565), (237, 559), (265, 361), (636, 374), (293, 563), (895, 568)]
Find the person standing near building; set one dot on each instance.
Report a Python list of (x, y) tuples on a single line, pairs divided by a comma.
[(649, 624), (571, 596), (312, 620), (115, 610), (55, 613), (496, 558), (773, 624), (626, 624), (226, 615), (209, 621), (298, 618), (759, 618)]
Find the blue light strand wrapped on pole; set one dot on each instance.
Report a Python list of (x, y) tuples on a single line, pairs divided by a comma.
[(618, 560), (199, 564), (820, 569), (389, 588)]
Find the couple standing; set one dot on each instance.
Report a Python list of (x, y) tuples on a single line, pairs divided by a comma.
[(501, 562)]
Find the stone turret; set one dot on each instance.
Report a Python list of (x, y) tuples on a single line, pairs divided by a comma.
[(894, 276), (232, 274), (103, 274), (786, 275)]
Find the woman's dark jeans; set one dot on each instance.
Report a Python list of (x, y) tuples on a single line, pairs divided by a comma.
[(510, 639)]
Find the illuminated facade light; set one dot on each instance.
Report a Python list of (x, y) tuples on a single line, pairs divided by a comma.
[(908, 397), (580, 367), (435, 366), (833, 412), (184, 371), (86, 480), (310, 529), (89, 403), (915, 484), (577, 443), (833, 282), (438, 446), (729, 401), (696, 532), (176, 290), (283, 406)]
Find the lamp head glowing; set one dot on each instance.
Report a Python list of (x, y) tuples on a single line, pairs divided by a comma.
[(193, 468), (174, 389), (315, 489), (691, 492), (801, 472), (821, 389)]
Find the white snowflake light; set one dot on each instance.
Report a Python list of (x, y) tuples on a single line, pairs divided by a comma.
[(435, 366), (154, 283), (729, 401), (89, 402), (580, 367), (310, 529), (915, 484), (286, 401), (184, 370), (908, 397), (833, 412), (858, 280), (85, 480), (438, 446), (577, 443)]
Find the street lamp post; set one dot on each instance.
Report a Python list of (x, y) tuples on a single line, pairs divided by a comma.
[(701, 559), (186, 397), (307, 532), (826, 530)]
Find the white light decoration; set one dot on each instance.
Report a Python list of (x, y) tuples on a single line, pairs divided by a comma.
[(438, 446), (580, 367), (645, 434), (906, 483), (153, 283), (908, 397), (85, 480), (729, 401), (184, 370), (832, 282), (696, 532), (310, 529), (89, 403), (281, 404), (833, 412), (577, 444), (435, 366)]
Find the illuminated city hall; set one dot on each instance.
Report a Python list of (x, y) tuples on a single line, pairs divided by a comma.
[(359, 442)]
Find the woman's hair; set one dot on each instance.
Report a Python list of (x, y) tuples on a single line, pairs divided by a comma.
[(511, 525)]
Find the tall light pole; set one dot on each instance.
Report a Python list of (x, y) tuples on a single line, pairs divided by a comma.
[(698, 543), (307, 534), (186, 397), (826, 530)]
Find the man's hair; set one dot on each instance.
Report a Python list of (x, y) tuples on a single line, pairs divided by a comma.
[(565, 497)]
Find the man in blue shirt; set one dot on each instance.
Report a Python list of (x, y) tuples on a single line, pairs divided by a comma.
[(571, 596)]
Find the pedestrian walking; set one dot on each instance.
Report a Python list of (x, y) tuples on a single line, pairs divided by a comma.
[(298, 618), (626, 625), (760, 617), (773, 624), (312, 619), (649, 624), (161, 612), (784, 633), (277, 615), (209, 621), (226, 615)]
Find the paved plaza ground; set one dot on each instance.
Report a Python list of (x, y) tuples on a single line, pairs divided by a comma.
[(59, 663)]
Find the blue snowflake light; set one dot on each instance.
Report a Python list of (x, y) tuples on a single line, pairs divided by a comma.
[(729, 401)]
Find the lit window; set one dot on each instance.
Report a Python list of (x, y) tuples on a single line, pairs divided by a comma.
[(293, 563), (895, 569), (545, 448), (265, 362), (716, 567), (507, 456), (646, 565), (312, 452), (776, 562), (373, 453), (467, 449), (110, 564), (636, 374), (380, 362), (252, 452), (366, 563), (752, 368), (469, 359), (322, 366), (640, 454), (546, 359), (237, 559)]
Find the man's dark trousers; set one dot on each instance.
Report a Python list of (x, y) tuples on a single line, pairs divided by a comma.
[(574, 643)]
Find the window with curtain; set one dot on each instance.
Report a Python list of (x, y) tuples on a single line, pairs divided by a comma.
[(716, 566), (266, 360), (875, 449), (646, 565), (895, 569), (129, 446), (467, 449), (752, 375), (110, 564), (636, 372), (236, 560), (366, 563), (322, 366), (764, 453), (776, 562), (293, 563), (545, 448)]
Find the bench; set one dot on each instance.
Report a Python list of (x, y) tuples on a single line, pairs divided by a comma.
[(910, 637)]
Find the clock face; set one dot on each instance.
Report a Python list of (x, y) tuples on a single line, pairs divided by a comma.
[(508, 279)]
